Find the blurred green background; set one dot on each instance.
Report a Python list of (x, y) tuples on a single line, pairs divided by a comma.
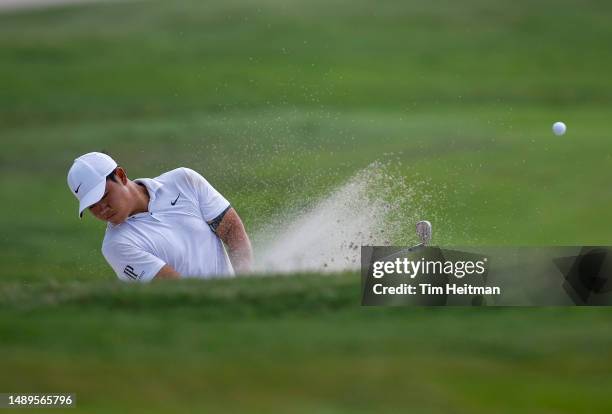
[(277, 103)]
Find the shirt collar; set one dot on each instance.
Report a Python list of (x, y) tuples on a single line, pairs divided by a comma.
[(152, 185)]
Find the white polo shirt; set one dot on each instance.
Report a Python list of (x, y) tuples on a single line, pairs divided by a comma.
[(174, 231)]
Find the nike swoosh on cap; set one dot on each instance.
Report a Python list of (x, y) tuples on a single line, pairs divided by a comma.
[(77, 189)]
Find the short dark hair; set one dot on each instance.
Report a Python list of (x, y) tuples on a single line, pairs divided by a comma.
[(112, 176)]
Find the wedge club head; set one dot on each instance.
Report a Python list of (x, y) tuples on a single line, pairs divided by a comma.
[(423, 230)]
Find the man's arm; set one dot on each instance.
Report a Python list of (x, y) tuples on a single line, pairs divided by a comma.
[(231, 231), (167, 272)]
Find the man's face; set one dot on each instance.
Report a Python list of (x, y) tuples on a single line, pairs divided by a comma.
[(114, 206)]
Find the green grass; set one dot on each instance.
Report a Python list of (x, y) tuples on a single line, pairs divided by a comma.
[(296, 344), (277, 103)]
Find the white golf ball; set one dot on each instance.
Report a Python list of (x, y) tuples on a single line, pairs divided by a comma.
[(559, 128)]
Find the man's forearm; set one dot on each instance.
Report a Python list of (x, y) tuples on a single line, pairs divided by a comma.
[(231, 231), (241, 256), (167, 272)]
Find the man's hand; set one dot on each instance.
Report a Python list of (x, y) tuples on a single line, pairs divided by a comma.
[(231, 231)]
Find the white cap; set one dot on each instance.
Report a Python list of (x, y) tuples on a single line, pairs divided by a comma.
[(87, 178)]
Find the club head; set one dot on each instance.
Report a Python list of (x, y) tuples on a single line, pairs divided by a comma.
[(423, 230)]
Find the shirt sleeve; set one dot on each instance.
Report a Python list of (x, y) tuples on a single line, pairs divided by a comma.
[(211, 202), (131, 263)]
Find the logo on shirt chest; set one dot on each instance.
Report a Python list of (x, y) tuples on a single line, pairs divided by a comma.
[(175, 200)]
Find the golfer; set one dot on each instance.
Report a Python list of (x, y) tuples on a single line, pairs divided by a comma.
[(167, 227)]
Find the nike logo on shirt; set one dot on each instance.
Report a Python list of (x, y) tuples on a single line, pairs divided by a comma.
[(174, 202)]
